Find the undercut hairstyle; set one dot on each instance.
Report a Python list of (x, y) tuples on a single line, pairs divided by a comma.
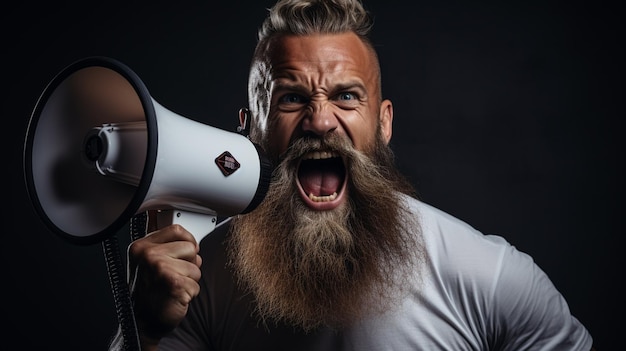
[(300, 17), (304, 17)]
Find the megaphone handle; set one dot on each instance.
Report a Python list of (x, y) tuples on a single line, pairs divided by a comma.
[(198, 224)]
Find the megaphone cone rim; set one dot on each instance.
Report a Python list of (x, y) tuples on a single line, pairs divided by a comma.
[(151, 156)]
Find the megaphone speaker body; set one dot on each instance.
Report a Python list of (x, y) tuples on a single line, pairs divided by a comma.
[(99, 149)]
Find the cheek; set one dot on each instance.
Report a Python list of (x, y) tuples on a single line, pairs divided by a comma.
[(362, 132), (280, 131), (364, 140)]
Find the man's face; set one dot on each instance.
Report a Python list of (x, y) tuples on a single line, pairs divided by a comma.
[(323, 84)]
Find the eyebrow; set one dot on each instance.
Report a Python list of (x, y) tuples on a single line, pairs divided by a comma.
[(350, 85), (281, 85)]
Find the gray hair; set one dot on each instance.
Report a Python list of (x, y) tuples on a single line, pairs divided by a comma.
[(302, 17), (298, 17)]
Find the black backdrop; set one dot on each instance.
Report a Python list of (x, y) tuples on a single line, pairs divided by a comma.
[(508, 116)]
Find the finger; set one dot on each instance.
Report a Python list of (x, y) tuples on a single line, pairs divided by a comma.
[(163, 244), (177, 272), (170, 233), (192, 289)]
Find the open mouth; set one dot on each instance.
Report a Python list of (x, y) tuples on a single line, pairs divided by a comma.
[(322, 179)]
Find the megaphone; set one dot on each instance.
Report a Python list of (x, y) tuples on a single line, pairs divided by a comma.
[(99, 150)]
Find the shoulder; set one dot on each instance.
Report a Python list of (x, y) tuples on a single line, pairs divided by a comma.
[(459, 251), (454, 243), (471, 267), (502, 284)]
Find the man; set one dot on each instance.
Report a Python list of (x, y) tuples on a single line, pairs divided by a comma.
[(340, 255)]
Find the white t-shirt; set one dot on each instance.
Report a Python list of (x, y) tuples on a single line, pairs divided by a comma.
[(478, 293)]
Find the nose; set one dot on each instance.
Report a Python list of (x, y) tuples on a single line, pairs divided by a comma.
[(320, 120)]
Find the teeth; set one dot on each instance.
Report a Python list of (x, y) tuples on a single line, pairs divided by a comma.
[(324, 198), (320, 155)]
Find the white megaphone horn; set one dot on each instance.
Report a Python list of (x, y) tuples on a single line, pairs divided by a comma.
[(100, 150)]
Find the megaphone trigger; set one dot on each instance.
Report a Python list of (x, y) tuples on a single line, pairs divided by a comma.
[(196, 223)]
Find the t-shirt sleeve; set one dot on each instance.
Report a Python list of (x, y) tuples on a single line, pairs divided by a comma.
[(528, 312)]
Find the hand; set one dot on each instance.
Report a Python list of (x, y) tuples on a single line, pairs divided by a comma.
[(164, 269)]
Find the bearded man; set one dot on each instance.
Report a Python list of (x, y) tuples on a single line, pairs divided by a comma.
[(340, 255)]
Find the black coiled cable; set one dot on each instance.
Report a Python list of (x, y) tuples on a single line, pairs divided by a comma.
[(119, 285)]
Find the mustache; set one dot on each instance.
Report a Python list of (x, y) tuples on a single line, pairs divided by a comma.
[(303, 145)]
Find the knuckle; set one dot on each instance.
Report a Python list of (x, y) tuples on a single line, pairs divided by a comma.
[(177, 229), (136, 248)]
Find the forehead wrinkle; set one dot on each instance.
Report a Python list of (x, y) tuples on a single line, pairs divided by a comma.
[(320, 66), (311, 79), (307, 88)]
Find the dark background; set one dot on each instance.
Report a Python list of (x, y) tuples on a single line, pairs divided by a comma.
[(507, 115)]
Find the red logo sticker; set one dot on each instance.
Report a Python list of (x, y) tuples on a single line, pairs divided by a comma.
[(227, 163)]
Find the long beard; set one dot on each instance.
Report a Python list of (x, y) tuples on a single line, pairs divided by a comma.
[(312, 268)]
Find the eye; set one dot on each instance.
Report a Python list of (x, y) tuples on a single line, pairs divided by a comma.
[(291, 102), (292, 98), (347, 100), (346, 96)]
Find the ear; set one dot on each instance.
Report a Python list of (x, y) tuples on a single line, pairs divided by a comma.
[(386, 119)]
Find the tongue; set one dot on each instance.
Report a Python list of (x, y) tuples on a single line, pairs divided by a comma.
[(320, 182)]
